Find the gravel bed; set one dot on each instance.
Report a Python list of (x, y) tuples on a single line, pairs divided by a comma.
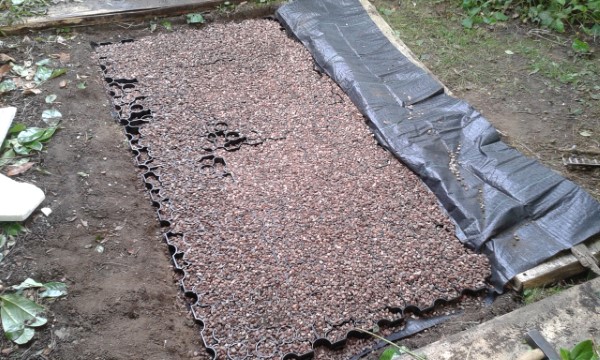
[(297, 225)]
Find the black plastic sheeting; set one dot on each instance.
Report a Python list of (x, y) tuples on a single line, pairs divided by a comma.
[(505, 205)]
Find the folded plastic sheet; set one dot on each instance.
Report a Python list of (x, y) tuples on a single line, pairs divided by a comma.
[(505, 205)]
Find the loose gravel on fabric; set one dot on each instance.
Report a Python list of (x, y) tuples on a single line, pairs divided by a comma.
[(307, 228)]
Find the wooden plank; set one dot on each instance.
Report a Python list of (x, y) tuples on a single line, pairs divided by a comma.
[(102, 12), (558, 268)]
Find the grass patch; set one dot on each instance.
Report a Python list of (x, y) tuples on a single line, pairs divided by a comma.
[(493, 55)]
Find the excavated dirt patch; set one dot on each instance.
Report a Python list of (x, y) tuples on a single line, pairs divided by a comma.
[(295, 224)]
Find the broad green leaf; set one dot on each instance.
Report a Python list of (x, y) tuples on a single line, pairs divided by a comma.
[(21, 150), (81, 85), (51, 98), (13, 228), (17, 128), (54, 289), (47, 134), (58, 72), (7, 85), (43, 62), (18, 312), (167, 25), (580, 46), (564, 354), (25, 337), (467, 22), (7, 157), (27, 284), (43, 73), (30, 134), (195, 18), (500, 16), (388, 354), (20, 70), (35, 145), (558, 25), (51, 117), (583, 351)]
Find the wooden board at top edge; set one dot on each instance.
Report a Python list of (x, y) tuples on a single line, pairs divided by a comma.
[(560, 267), (102, 12)]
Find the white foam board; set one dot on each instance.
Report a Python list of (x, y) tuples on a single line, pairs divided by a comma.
[(7, 115), (17, 200)]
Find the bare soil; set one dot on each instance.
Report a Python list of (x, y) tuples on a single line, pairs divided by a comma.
[(124, 303)]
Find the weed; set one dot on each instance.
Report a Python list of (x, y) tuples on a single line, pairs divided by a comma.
[(585, 350), (8, 231), (195, 18), (536, 294), (21, 313), (16, 10), (396, 351)]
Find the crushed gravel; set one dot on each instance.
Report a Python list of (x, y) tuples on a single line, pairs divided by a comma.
[(297, 225)]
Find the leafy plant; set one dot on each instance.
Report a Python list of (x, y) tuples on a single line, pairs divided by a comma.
[(16, 10), (21, 142), (552, 14), (195, 18), (8, 231), (396, 351), (21, 315), (585, 350), (537, 294)]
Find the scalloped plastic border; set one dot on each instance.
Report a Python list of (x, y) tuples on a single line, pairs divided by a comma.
[(132, 115)]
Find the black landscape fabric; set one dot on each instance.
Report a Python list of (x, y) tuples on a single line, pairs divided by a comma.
[(512, 208)]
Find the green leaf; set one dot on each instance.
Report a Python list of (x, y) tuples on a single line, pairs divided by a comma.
[(467, 22), (35, 145), (12, 228), (195, 18), (583, 351), (17, 128), (43, 73), (21, 150), (81, 85), (565, 354), (7, 85), (3, 239), (54, 289), (30, 134), (500, 16), (20, 70), (58, 72), (167, 25), (153, 26), (558, 25), (388, 354), (43, 62), (580, 46), (17, 314), (27, 284), (7, 157), (51, 117), (50, 98), (25, 336), (47, 134)]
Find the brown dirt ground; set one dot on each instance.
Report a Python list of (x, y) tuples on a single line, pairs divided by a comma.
[(124, 303)]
